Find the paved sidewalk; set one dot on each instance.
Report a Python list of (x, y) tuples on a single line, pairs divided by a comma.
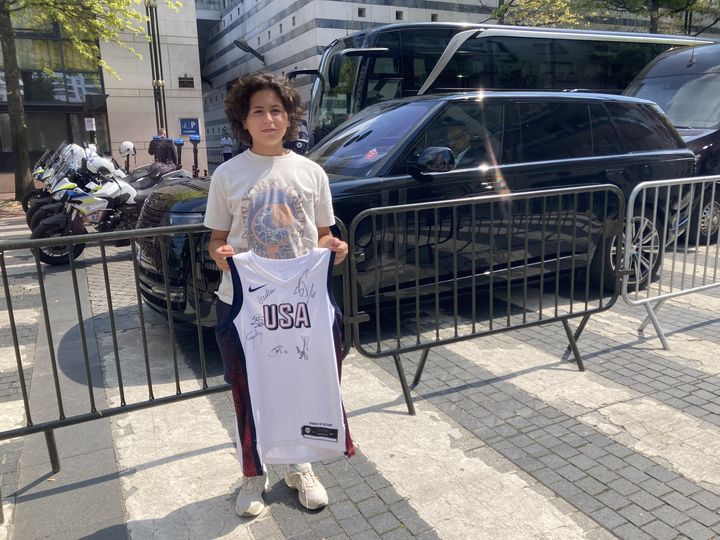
[(509, 441)]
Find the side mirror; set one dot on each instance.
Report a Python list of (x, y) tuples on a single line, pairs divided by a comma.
[(435, 159), (291, 75), (334, 70)]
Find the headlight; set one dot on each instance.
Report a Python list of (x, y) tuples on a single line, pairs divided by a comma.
[(186, 219)]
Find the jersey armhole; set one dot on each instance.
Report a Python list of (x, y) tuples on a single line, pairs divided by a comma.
[(331, 296), (237, 297)]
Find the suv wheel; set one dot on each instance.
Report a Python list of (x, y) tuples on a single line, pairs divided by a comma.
[(646, 248), (646, 243), (708, 222)]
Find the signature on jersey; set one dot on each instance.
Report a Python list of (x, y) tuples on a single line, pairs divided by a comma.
[(277, 351), (302, 351), (302, 290)]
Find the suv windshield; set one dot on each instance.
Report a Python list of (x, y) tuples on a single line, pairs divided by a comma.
[(356, 147), (689, 101)]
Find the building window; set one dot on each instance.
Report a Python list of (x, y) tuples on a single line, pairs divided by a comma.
[(361, 12), (281, 28), (398, 15), (258, 40), (223, 23), (268, 35), (293, 20), (434, 17), (231, 17)]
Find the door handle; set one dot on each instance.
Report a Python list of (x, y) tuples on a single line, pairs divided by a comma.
[(611, 172)]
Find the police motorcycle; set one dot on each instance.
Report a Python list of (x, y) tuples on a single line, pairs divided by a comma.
[(43, 168), (114, 205), (68, 182), (73, 171), (70, 159)]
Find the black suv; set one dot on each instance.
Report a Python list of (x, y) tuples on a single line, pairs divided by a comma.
[(685, 83), (409, 150)]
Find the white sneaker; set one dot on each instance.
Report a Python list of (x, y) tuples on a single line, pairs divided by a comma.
[(311, 493), (249, 501)]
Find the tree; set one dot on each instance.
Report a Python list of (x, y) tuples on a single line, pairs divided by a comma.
[(661, 15), (665, 16), (552, 13), (85, 23)]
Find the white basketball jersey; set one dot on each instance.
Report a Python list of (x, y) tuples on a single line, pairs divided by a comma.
[(284, 316)]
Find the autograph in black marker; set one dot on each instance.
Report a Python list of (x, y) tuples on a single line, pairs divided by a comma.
[(276, 351), (302, 290), (303, 351)]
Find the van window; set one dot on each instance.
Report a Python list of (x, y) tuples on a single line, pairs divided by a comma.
[(640, 131), (555, 131), (420, 51), (689, 100)]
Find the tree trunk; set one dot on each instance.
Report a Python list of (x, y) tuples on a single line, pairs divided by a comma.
[(18, 129), (654, 14)]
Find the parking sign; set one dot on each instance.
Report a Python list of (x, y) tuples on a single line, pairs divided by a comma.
[(189, 126)]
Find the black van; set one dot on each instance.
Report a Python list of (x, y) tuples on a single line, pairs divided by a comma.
[(685, 83), (404, 151)]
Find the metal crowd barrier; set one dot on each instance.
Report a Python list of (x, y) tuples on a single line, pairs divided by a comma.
[(680, 244), (430, 274), (114, 263), (215, 155)]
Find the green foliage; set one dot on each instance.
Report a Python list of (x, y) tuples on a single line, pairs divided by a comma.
[(549, 13), (657, 16)]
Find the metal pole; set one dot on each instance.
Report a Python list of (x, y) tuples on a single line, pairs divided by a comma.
[(156, 64), (163, 103), (153, 73)]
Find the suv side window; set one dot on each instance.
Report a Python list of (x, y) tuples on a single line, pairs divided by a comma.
[(606, 141), (473, 131), (640, 130), (555, 131)]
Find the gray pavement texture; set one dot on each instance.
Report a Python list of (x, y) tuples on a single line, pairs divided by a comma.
[(510, 440)]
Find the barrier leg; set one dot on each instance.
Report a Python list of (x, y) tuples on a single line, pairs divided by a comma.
[(420, 368), (573, 344), (52, 450), (578, 331), (403, 383), (656, 324), (2, 517), (645, 322)]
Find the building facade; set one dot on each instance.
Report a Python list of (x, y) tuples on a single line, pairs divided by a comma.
[(133, 99), (60, 89)]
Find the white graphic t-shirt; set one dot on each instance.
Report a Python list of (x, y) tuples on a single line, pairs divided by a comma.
[(270, 204)]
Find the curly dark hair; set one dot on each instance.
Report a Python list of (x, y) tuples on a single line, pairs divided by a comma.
[(237, 104)]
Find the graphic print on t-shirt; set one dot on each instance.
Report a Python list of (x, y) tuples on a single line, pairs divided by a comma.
[(274, 220)]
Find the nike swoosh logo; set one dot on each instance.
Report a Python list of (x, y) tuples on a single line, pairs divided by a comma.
[(253, 289)]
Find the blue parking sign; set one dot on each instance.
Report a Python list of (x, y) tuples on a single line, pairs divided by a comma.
[(189, 126)]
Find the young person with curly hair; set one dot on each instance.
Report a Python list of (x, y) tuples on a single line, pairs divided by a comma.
[(268, 203)]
